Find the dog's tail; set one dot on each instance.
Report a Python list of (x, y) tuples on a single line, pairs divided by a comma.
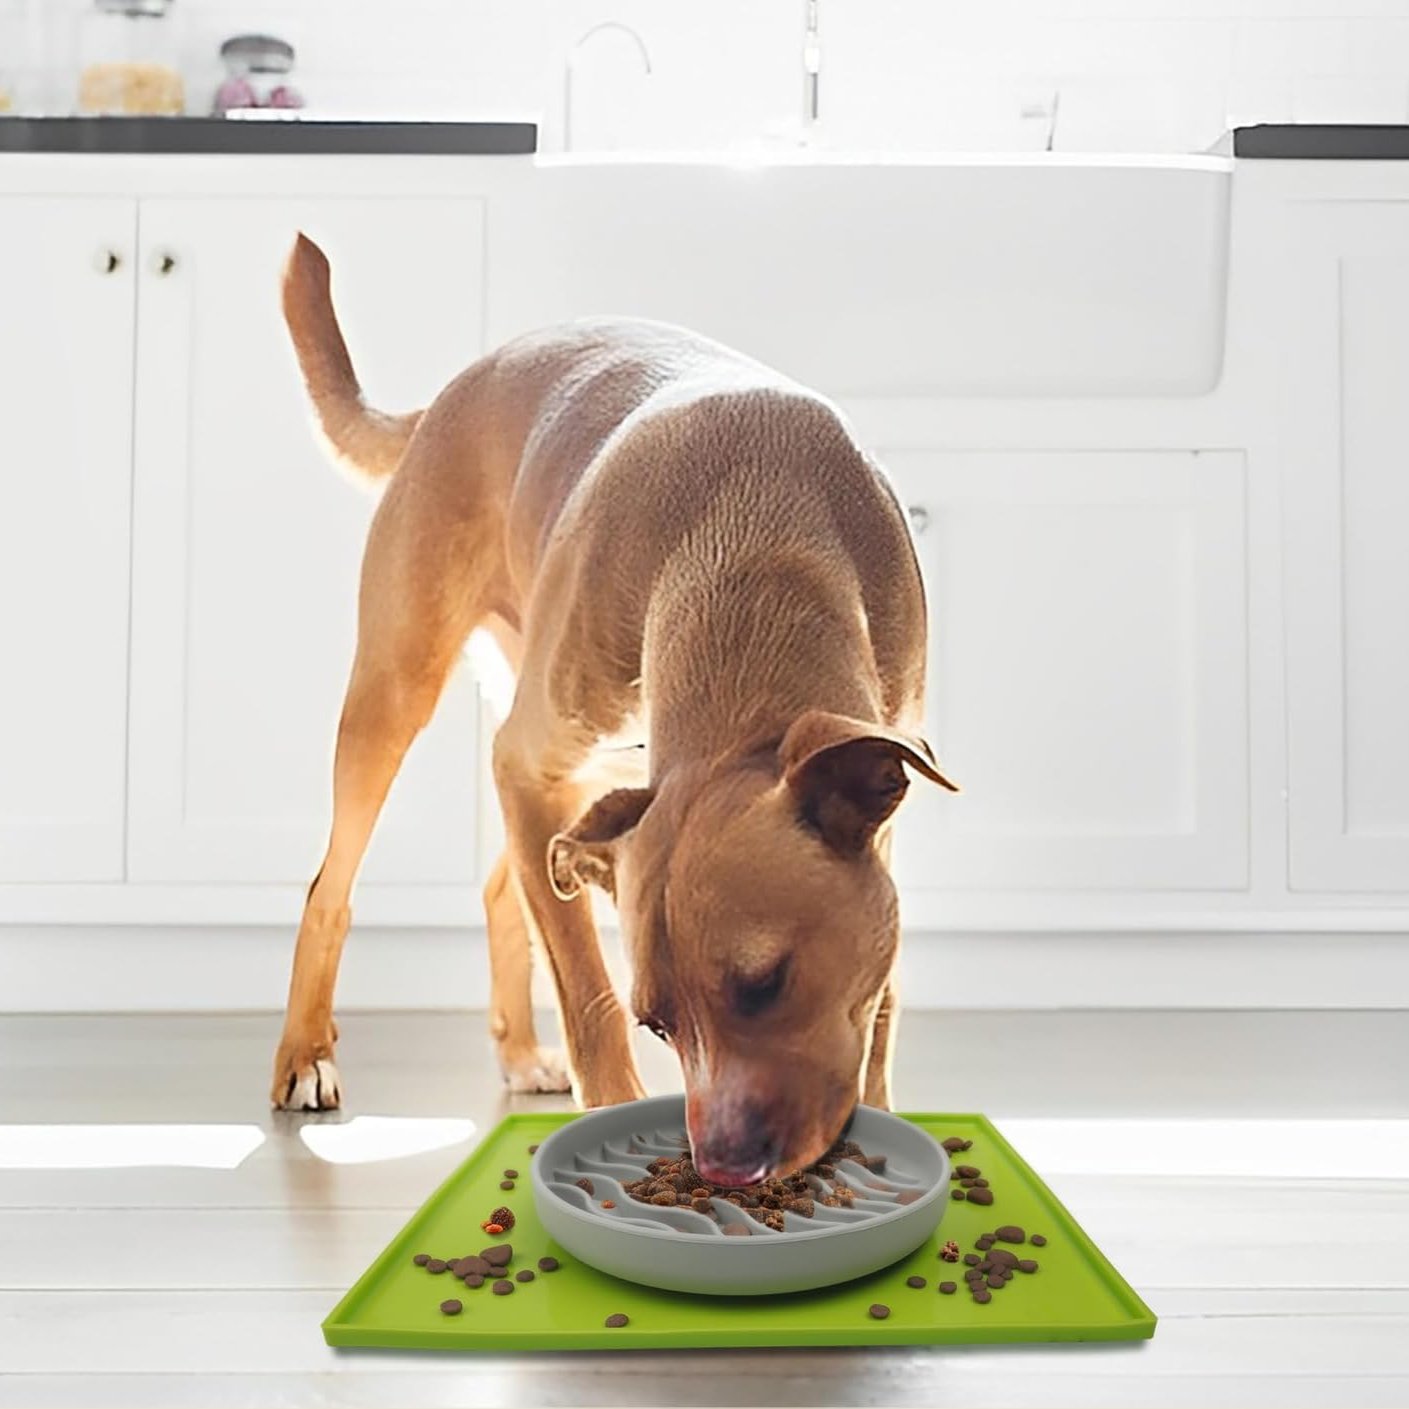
[(367, 441)]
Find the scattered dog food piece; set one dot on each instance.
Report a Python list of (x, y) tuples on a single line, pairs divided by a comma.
[(511, 1174), (1038, 1241), (982, 1295), (617, 1319), (979, 1196), (608, 1203), (507, 1184), (916, 1282), (586, 1184), (956, 1193), (954, 1144), (502, 1287), (533, 1149), (995, 1281), (948, 1288), (435, 1265), (480, 1265), (500, 1255), (504, 1217), (525, 1276), (547, 1264), (1028, 1264), (493, 1229), (950, 1251), (1011, 1233), (984, 1242), (980, 1183), (880, 1311), (967, 1171), (875, 1163), (475, 1280), (451, 1307), (971, 1258), (736, 1230), (966, 1183), (421, 1259), (1001, 1257)]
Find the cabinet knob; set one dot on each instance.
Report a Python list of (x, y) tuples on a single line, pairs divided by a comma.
[(919, 517), (107, 261), (163, 263)]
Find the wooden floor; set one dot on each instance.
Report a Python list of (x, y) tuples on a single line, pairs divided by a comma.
[(1249, 1173)]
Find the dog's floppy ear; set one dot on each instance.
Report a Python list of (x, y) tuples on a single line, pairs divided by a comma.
[(848, 775), (586, 853)]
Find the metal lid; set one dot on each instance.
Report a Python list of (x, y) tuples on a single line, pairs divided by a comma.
[(261, 53)]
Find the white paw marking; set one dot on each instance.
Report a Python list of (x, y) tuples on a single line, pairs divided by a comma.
[(315, 1088), (545, 1071)]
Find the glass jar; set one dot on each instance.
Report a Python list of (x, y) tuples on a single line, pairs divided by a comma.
[(128, 59), (258, 70)]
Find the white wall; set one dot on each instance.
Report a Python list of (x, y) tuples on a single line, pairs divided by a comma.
[(1131, 74)]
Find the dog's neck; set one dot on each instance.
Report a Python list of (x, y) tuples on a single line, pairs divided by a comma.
[(734, 655)]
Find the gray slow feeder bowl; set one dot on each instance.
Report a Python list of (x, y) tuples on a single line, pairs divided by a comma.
[(684, 1251)]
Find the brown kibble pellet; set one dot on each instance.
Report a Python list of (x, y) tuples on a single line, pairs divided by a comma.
[(1027, 1264), (525, 1276), (996, 1280), (979, 1196), (451, 1307), (474, 1280), (506, 1184), (982, 1295), (436, 1265), (880, 1311), (948, 1288), (1010, 1233), (502, 1287), (967, 1171), (916, 1282), (966, 1183), (498, 1255), (1001, 1257), (616, 1320), (953, 1144), (956, 1193), (533, 1149), (421, 1259), (586, 1185), (971, 1258), (980, 1183), (1038, 1241), (511, 1174), (547, 1264)]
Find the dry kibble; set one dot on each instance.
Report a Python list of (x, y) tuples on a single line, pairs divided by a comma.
[(617, 1319), (880, 1311)]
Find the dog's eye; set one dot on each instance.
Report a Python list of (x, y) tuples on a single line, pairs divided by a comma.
[(751, 996), (656, 1025)]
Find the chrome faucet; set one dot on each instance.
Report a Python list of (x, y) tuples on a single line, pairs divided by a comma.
[(572, 57)]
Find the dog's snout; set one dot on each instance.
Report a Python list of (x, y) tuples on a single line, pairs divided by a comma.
[(737, 1147)]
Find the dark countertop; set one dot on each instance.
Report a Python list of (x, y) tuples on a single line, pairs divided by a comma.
[(1311, 141), (195, 136)]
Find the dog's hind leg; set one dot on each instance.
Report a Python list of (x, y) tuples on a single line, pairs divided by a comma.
[(526, 1065)]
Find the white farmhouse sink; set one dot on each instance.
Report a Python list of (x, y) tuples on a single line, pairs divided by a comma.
[(960, 276)]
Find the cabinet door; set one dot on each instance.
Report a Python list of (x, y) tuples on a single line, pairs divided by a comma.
[(66, 302), (248, 542), (1087, 671), (1344, 453)]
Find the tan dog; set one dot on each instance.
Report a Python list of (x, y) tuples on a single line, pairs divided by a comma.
[(658, 531)]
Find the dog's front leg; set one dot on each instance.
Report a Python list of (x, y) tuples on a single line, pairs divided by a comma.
[(878, 1063), (594, 1025)]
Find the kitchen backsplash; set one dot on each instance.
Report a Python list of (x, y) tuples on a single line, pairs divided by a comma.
[(895, 74)]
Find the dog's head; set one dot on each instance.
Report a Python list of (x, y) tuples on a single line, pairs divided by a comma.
[(761, 921)]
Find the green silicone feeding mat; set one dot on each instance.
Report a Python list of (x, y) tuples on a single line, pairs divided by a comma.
[(1075, 1295)]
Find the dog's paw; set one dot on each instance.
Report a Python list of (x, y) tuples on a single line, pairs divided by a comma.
[(539, 1070), (308, 1085)]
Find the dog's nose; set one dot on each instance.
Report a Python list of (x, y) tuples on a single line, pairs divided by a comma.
[(736, 1152)]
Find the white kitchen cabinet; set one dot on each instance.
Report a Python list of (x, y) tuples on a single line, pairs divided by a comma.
[(1087, 676), (66, 310), (1344, 450), (248, 543)]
